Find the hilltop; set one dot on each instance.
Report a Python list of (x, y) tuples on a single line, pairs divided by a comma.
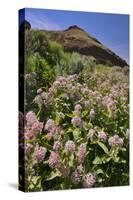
[(75, 39)]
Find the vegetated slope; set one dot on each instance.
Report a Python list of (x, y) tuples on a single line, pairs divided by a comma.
[(76, 39)]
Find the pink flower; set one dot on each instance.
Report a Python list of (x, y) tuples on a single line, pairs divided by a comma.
[(56, 131), (44, 95), (76, 121), (115, 141), (49, 125), (89, 180), (61, 114), (81, 154), (38, 100), (77, 175), (53, 159), (28, 147), (102, 136), (34, 126), (57, 145), (62, 79), (69, 147), (56, 84), (72, 78), (85, 91), (39, 154), (31, 118), (78, 108), (98, 99), (92, 114), (91, 134), (28, 135), (37, 126), (111, 105)]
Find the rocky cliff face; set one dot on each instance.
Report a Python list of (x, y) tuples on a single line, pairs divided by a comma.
[(76, 39)]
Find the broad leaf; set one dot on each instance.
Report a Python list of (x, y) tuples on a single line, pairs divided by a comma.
[(99, 171), (97, 161), (103, 146), (53, 175)]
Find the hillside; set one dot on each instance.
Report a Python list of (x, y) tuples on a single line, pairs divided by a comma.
[(76, 39)]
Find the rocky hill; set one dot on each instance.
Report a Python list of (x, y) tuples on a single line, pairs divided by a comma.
[(76, 39)]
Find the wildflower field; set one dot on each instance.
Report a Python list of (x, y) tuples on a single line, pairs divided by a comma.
[(76, 120)]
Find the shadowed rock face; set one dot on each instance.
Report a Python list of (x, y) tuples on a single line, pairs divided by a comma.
[(76, 39)]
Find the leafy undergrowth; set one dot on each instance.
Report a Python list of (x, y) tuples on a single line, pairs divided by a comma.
[(77, 130)]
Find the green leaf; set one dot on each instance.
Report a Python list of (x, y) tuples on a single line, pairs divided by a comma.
[(53, 175), (48, 146), (123, 161), (102, 160), (76, 134), (103, 146), (116, 159), (84, 113), (57, 119), (36, 180), (123, 149), (71, 160), (100, 180), (99, 171), (70, 130), (97, 160), (69, 115), (106, 159)]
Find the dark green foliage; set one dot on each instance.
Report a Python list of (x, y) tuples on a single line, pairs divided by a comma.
[(45, 73)]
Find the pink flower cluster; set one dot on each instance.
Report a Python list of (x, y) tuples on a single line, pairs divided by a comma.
[(57, 146), (102, 136), (28, 147), (115, 141), (89, 180), (54, 159), (91, 134), (33, 126), (45, 98), (53, 130), (77, 175), (69, 147), (33, 123), (50, 124), (39, 154), (92, 114), (78, 108), (81, 154), (28, 135), (31, 118), (76, 121)]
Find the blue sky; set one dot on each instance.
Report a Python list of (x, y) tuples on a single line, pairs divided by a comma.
[(110, 29)]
